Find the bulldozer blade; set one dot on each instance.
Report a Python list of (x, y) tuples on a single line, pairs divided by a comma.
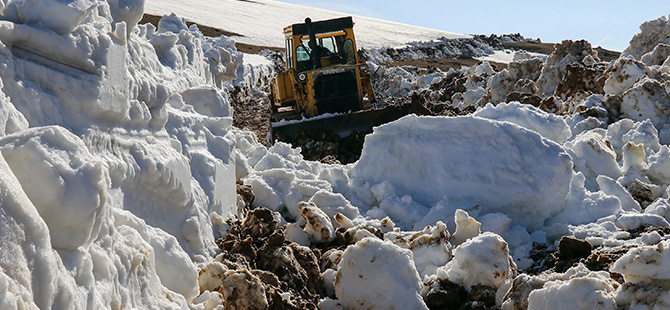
[(341, 124)]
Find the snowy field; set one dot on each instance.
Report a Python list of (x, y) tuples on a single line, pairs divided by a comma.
[(262, 22), (120, 168)]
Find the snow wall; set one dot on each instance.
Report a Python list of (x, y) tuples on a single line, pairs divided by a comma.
[(118, 166)]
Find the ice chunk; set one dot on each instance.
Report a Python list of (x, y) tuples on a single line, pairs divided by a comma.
[(611, 187), (319, 228), (659, 167), (466, 227), (625, 72), (658, 56), (593, 156), (584, 206), (208, 101), (651, 33), (482, 260), (577, 289), (376, 274), (645, 263), (633, 220), (647, 99), (431, 247)]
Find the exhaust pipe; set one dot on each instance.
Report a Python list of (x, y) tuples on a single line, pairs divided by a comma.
[(316, 49)]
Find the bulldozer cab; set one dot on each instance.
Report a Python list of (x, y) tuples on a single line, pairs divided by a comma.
[(332, 46), (323, 72)]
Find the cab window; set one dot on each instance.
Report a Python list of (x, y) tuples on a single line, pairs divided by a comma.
[(304, 61), (348, 53)]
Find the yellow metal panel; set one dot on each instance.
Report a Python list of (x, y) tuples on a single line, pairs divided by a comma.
[(283, 88)]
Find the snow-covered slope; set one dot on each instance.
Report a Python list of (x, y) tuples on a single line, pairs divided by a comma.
[(261, 22)]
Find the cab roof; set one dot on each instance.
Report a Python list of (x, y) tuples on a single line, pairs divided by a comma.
[(321, 26)]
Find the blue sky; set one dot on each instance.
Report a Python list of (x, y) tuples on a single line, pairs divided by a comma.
[(610, 24)]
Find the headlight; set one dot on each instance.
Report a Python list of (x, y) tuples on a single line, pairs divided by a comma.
[(364, 68), (302, 77)]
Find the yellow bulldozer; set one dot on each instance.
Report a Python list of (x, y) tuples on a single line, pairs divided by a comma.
[(325, 84)]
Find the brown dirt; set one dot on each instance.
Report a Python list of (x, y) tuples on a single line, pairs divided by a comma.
[(443, 64), (326, 146), (251, 115), (547, 48), (543, 48), (258, 244)]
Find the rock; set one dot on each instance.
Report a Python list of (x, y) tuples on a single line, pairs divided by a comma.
[(571, 248), (446, 295)]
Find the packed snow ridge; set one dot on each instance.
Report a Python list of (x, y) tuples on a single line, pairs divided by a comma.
[(120, 162)]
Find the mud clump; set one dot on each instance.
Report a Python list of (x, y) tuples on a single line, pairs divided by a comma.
[(641, 193), (289, 273), (579, 78), (573, 248), (525, 98), (328, 147), (445, 294)]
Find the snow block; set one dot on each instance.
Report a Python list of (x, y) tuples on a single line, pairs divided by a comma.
[(501, 166), (376, 274)]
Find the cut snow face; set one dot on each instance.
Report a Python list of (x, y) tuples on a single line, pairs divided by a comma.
[(116, 155)]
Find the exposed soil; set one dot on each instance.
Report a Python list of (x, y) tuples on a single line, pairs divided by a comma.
[(547, 48), (443, 64), (250, 114)]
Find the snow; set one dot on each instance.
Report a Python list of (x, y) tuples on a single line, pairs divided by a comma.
[(467, 158), (577, 288), (262, 22), (482, 260), (508, 56), (643, 263), (114, 187), (375, 274), (549, 126), (120, 162)]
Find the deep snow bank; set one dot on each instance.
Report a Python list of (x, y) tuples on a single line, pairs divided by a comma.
[(118, 167)]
